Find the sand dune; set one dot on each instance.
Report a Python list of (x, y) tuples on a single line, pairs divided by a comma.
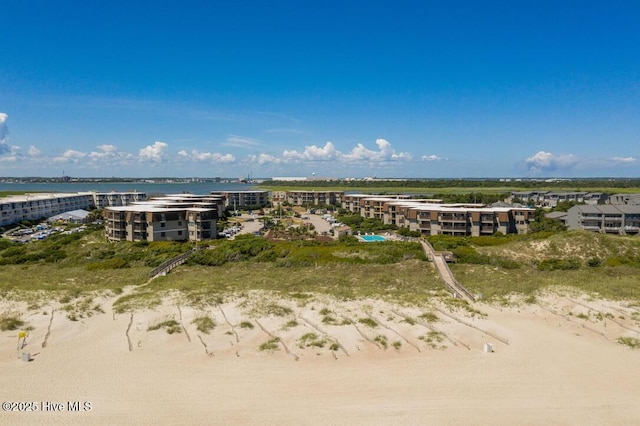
[(363, 362)]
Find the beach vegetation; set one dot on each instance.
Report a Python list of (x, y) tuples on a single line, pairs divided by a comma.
[(168, 323), (270, 345), (382, 340), (630, 342), (10, 321), (311, 340), (290, 324), (368, 322), (204, 323), (248, 325)]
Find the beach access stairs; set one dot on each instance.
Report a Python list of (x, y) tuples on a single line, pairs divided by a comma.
[(445, 274)]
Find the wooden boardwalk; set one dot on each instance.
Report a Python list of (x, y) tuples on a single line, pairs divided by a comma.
[(445, 273)]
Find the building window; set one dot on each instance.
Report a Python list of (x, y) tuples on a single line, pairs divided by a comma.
[(162, 225), (179, 232), (162, 234)]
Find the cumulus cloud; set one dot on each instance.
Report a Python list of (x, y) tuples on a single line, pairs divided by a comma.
[(544, 162), (358, 154), (155, 152), (33, 151), (385, 153), (312, 153), (4, 131), (5, 148), (108, 155), (262, 159), (107, 148), (213, 157), (70, 156)]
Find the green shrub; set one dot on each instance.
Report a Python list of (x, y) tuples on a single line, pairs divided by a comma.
[(594, 262), (559, 264), (114, 263)]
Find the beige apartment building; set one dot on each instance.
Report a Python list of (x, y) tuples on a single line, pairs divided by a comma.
[(312, 198), (430, 217), (243, 199), (182, 217)]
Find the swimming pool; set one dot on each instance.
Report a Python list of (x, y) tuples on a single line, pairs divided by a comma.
[(372, 238)]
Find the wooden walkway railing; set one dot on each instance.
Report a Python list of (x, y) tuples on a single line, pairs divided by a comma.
[(445, 273), (168, 265)]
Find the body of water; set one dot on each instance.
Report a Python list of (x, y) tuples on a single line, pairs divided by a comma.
[(148, 188)]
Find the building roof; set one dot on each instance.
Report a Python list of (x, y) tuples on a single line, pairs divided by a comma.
[(70, 215)]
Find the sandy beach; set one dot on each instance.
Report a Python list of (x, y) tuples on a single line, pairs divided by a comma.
[(554, 362)]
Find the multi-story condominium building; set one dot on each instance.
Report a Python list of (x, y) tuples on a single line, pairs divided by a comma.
[(39, 206), (278, 197), (632, 199), (314, 198), (179, 217), (242, 199), (551, 199), (430, 217), (469, 221), (108, 199), (616, 219), (535, 198), (351, 202)]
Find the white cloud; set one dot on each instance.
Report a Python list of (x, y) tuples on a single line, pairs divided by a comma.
[(544, 162), (624, 160), (33, 151), (384, 154), (432, 157), (313, 153), (107, 148), (155, 152), (264, 159), (4, 131), (241, 142), (5, 148), (70, 156), (213, 157)]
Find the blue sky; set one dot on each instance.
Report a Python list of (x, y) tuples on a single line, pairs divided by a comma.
[(423, 89)]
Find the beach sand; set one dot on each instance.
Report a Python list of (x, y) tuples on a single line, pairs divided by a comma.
[(554, 362)]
